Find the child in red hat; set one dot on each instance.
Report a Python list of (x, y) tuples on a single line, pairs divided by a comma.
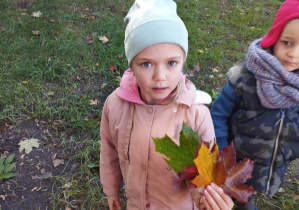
[(258, 108)]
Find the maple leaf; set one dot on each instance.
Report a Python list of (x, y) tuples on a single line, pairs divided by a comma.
[(28, 145), (182, 155), (209, 170), (235, 182)]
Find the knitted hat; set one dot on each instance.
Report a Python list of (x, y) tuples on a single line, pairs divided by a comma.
[(151, 22), (288, 11)]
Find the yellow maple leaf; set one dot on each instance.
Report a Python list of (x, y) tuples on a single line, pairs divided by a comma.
[(208, 168)]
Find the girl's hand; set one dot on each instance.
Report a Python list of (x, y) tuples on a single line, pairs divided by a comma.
[(215, 198), (114, 202)]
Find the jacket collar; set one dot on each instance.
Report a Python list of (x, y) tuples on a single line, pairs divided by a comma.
[(128, 91)]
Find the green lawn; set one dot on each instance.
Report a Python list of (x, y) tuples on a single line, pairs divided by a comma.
[(55, 69)]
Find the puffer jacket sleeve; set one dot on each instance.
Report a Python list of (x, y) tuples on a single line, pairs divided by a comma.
[(204, 125), (221, 111), (110, 173)]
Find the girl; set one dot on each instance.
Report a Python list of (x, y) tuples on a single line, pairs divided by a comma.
[(258, 109), (154, 99)]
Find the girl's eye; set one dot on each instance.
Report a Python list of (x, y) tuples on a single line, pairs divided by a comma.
[(286, 43), (146, 64), (171, 63)]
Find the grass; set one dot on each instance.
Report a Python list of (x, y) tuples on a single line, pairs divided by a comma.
[(53, 76)]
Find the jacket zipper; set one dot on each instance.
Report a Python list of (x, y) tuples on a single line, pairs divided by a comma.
[(275, 152)]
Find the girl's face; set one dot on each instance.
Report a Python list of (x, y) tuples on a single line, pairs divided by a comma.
[(157, 69), (286, 48)]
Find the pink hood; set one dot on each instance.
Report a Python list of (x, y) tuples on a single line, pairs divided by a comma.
[(128, 91)]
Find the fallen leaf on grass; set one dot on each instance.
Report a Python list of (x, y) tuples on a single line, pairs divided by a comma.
[(4, 128), (94, 102), (28, 145), (103, 39), (51, 93), (89, 39), (52, 21), (68, 185), (36, 14), (44, 176), (36, 32), (58, 162), (3, 197), (113, 68), (57, 122), (197, 66)]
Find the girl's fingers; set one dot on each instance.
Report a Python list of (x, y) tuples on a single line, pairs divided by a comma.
[(206, 205), (114, 202), (216, 198), (213, 198), (226, 198)]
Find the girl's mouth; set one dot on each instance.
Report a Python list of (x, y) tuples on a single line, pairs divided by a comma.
[(290, 63), (159, 90)]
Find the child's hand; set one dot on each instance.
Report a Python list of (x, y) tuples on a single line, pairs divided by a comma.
[(215, 198), (114, 202)]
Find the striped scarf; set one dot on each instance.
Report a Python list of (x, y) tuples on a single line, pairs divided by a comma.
[(276, 87)]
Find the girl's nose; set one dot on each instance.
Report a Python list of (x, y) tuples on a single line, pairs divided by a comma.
[(159, 73)]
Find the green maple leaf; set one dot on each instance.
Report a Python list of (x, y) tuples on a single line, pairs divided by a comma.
[(179, 157)]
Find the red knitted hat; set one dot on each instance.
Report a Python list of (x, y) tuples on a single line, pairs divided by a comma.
[(288, 11)]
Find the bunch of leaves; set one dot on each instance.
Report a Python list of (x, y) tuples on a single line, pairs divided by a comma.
[(203, 166), (6, 166)]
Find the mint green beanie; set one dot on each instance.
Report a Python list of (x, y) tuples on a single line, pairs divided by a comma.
[(151, 22)]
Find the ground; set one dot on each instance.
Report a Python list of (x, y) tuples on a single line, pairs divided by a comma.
[(36, 180), (36, 172)]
